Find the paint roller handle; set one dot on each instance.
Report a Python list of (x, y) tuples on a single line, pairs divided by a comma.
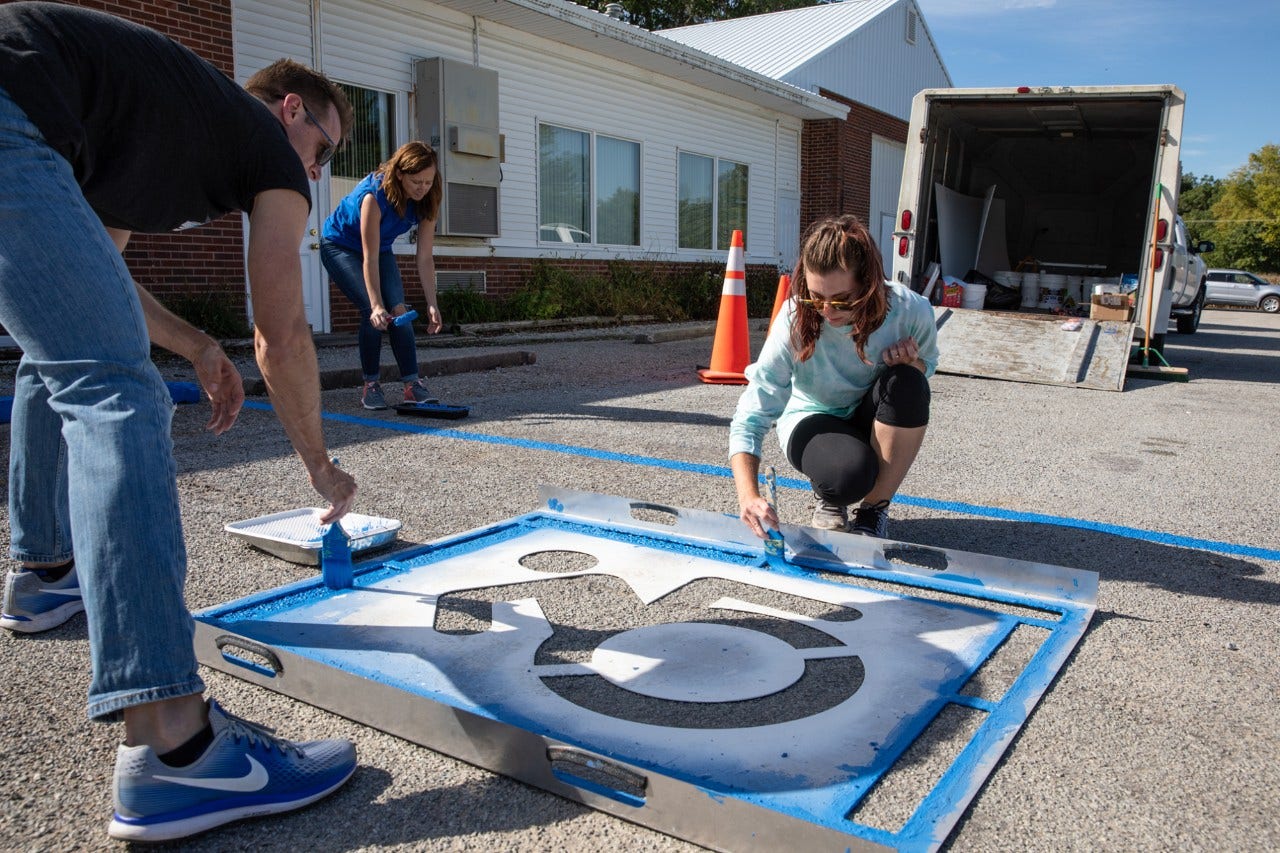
[(405, 319)]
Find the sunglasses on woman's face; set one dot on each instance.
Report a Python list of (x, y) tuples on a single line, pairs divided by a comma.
[(833, 304)]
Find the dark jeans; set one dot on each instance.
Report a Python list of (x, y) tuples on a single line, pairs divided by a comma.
[(836, 453), (347, 270)]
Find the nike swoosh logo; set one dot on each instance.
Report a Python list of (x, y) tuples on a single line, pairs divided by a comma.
[(66, 592), (255, 780)]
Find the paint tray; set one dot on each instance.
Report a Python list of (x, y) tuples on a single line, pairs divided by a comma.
[(295, 534), (653, 663)]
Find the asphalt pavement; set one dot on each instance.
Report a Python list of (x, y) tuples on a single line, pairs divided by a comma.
[(1162, 730)]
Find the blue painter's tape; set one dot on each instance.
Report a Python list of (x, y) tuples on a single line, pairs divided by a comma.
[(978, 510)]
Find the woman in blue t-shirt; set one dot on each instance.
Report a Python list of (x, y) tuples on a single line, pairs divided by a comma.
[(355, 248)]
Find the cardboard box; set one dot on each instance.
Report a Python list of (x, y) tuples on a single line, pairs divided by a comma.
[(1111, 306)]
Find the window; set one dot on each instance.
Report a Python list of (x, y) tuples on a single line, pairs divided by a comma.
[(370, 143), (617, 191), (584, 198), (713, 201)]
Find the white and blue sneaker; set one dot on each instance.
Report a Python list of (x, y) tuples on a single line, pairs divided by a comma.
[(247, 771), (32, 604)]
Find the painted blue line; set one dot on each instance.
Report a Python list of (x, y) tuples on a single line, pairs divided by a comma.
[(962, 508)]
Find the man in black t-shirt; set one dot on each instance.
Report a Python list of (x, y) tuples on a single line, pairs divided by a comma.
[(106, 128)]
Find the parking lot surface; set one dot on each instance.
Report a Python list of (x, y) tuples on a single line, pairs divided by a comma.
[(1162, 731)]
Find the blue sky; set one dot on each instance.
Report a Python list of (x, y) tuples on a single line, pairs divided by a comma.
[(1224, 55)]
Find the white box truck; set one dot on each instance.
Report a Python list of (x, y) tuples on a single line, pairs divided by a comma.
[(1068, 184)]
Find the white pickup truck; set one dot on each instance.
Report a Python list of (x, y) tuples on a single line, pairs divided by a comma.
[(1185, 279), (1067, 180)]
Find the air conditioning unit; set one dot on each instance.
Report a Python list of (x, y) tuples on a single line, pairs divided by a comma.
[(457, 113)]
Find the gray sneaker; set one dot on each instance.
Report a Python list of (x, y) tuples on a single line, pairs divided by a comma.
[(32, 604), (871, 520), (245, 772), (829, 516), (416, 392), (371, 397)]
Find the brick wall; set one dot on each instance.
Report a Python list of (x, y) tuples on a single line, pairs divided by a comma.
[(835, 160)]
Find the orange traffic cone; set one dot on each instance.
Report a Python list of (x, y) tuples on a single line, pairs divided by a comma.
[(731, 350), (784, 292)]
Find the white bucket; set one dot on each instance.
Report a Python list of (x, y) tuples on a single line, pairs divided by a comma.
[(1075, 288), (1030, 289), (973, 297), (1053, 288), (1008, 278)]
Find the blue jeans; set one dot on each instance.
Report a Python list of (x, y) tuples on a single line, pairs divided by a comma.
[(347, 270), (91, 459)]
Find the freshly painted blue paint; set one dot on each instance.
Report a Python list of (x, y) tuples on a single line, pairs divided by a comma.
[(959, 507)]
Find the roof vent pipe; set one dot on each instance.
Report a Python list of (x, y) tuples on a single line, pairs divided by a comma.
[(614, 10)]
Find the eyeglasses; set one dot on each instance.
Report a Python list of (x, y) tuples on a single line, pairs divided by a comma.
[(326, 154), (833, 304)]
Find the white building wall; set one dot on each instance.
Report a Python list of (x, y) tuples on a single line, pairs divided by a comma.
[(373, 43), (876, 65)]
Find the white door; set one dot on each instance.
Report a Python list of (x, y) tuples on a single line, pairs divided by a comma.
[(315, 280), (787, 231), (885, 241)]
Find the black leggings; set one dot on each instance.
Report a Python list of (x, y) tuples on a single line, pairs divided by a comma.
[(836, 453)]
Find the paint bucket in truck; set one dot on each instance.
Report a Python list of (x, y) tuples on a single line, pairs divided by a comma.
[(1030, 289), (1053, 289), (973, 296)]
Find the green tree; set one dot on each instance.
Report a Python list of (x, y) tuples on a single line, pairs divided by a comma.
[(1246, 216), (1195, 204)]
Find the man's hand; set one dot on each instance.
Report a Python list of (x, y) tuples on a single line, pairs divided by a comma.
[(222, 382), (337, 487)]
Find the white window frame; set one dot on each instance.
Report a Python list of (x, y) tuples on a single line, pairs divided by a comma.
[(715, 198), (592, 197)]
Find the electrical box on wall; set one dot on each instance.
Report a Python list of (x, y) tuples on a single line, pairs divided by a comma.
[(457, 113)]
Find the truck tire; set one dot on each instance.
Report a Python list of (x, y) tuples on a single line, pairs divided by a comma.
[(1188, 323), (1270, 303)]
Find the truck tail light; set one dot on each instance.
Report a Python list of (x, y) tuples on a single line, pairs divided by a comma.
[(1158, 258), (1162, 230), (906, 220), (902, 247)]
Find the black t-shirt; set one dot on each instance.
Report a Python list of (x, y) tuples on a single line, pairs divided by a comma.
[(159, 139)]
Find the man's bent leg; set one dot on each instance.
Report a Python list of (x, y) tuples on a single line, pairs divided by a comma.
[(115, 413)]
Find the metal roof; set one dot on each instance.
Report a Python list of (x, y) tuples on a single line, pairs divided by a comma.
[(776, 43), (577, 26)]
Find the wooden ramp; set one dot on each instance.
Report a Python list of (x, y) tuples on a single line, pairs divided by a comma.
[(1031, 348)]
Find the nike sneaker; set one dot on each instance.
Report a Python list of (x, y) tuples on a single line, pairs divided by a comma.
[(247, 771), (33, 604)]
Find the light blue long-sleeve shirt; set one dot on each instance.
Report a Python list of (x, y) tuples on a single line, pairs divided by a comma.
[(784, 391)]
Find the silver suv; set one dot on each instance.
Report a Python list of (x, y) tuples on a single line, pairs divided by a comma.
[(1237, 287)]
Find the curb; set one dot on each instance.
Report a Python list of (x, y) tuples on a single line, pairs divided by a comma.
[(668, 335), (352, 377)]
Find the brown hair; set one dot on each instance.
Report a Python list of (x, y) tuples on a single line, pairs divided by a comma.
[(410, 159), (283, 76), (839, 243)]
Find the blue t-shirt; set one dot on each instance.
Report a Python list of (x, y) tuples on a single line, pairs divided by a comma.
[(343, 225)]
